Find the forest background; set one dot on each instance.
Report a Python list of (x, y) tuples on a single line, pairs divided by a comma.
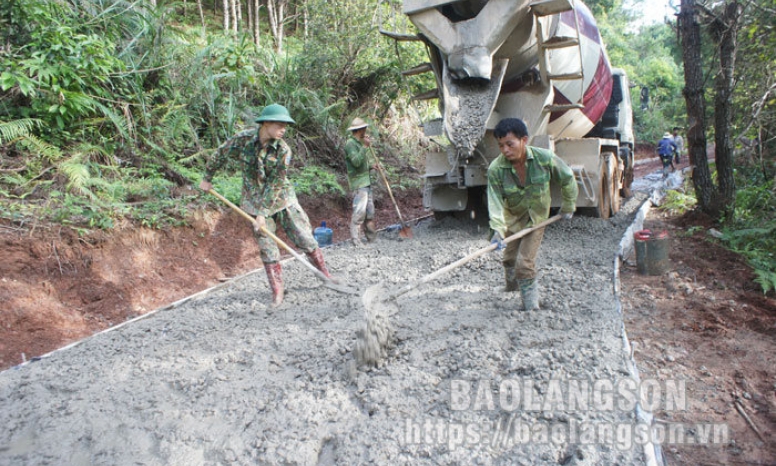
[(109, 109)]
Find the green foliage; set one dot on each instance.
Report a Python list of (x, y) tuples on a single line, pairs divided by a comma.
[(230, 187), (77, 211), (678, 202), (752, 229), (315, 180), (105, 100), (766, 280), (652, 58), (17, 129)]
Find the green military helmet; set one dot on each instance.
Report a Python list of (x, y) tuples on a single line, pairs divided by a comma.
[(275, 112)]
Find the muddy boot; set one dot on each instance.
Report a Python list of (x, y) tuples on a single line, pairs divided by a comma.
[(316, 257), (370, 231), (529, 290), (509, 277), (275, 278)]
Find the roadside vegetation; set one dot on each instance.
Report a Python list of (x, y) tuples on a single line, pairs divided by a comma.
[(109, 109)]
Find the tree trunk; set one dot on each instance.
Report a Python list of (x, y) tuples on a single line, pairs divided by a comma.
[(257, 23), (201, 16), (226, 15), (723, 105), (238, 17), (249, 15), (306, 21), (235, 23), (276, 13), (690, 32)]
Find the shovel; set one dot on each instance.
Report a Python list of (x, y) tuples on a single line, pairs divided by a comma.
[(326, 281), (406, 230), (375, 337)]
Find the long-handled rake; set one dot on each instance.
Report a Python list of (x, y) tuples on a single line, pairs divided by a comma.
[(326, 280), (406, 230), (375, 337)]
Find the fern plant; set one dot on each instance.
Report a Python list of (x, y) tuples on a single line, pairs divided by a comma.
[(766, 279), (17, 129)]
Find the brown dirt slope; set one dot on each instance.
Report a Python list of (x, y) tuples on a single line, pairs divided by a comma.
[(57, 287), (707, 323)]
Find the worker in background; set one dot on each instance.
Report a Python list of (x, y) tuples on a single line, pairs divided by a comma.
[(359, 161), (519, 197), (679, 141), (666, 150), (267, 193)]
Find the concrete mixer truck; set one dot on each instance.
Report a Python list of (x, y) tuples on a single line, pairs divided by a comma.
[(539, 60)]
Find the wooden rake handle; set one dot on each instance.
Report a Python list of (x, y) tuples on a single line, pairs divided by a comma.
[(387, 186), (280, 242), (470, 257)]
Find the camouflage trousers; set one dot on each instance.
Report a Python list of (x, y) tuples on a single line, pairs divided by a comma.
[(520, 254), (296, 224), (363, 206)]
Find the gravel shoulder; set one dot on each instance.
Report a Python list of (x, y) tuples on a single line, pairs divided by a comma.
[(221, 379)]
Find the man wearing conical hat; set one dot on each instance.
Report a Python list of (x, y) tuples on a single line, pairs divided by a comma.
[(267, 192), (359, 161)]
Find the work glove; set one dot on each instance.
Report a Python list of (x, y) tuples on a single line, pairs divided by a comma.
[(498, 240), (567, 216)]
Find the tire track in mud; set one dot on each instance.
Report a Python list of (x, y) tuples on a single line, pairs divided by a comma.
[(222, 379)]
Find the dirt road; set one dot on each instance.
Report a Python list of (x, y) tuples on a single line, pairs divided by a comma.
[(221, 379)]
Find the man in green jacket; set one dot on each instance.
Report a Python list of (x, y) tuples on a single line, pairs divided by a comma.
[(519, 197), (359, 161), (267, 192)]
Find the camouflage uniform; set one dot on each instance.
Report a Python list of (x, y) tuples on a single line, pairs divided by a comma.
[(358, 162), (266, 190), (514, 207)]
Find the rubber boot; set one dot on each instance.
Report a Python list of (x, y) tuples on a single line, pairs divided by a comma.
[(316, 257), (275, 278), (370, 230), (530, 293), (509, 277)]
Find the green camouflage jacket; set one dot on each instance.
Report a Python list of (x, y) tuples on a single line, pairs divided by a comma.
[(514, 207), (358, 161), (266, 189)]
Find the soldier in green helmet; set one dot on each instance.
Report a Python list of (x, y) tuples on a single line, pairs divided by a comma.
[(519, 197), (267, 192), (359, 161)]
